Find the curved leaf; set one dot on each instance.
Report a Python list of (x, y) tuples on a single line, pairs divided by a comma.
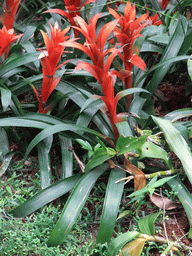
[(149, 149), (74, 205), (99, 157), (6, 162), (56, 129), (117, 243), (177, 144), (171, 50), (5, 98), (184, 197), (17, 61), (147, 224), (111, 206), (45, 196)]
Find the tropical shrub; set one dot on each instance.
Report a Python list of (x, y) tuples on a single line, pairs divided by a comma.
[(91, 85)]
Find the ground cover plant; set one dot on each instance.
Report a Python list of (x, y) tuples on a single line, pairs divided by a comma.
[(87, 77)]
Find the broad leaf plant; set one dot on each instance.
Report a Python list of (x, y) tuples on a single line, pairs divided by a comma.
[(88, 68)]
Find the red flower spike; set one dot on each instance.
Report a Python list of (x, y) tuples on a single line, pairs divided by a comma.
[(128, 30), (6, 38), (51, 59), (10, 11), (73, 7), (94, 47)]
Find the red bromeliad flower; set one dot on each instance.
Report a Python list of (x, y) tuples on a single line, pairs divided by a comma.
[(10, 11), (50, 60), (128, 30), (153, 20), (107, 81), (73, 7), (7, 18), (94, 47), (6, 38)]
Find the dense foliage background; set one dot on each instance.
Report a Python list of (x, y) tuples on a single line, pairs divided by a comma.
[(99, 94)]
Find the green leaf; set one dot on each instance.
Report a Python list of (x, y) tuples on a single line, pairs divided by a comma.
[(128, 144), (189, 66), (14, 62), (126, 92), (111, 206), (5, 98), (6, 161), (74, 205), (4, 144), (44, 147), (161, 39), (171, 50), (178, 114), (124, 129), (159, 66), (184, 197), (92, 102), (186, 46), (150, 47), (56, 129), (45, 196), (147, 224), (85, 144), (177, 144), (96, 7), (100, 156), (117, 243), (67, 157), (19, 122), (149, 149), (150, 188)]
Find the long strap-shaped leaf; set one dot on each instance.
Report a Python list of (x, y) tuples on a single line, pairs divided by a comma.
[(171, 50), (111, 205), (184, 197), (44, 161), (177, 144), (45, 196), (74, 205), (67, 157), (15, 62), (56, 129)]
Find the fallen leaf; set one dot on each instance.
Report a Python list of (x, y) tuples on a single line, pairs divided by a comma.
[(163, 202)]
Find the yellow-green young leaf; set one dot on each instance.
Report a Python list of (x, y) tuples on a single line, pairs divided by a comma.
[(133, 248), (128, 144), (149, 149), (147, 224), (100, 157)]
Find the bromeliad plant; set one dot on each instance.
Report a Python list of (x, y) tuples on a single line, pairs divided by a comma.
[(119, 145)]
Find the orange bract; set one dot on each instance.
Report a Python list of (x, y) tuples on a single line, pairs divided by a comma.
[(6, 38), (50, 60), (73, 7), (10, 11)]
